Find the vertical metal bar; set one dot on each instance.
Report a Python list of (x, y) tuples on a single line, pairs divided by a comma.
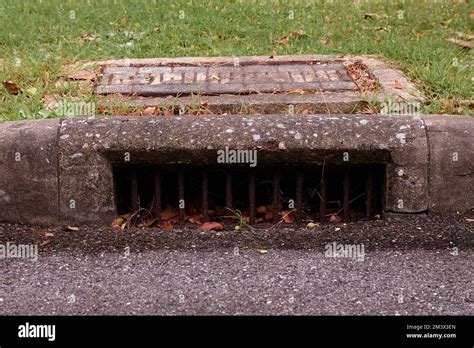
[(181, 195), (228, 190), (322, 201), (346, 195), (252, 180), (157, 203), (205, 202), (276, 194), (299, 196), (368, 194), (134, 198)]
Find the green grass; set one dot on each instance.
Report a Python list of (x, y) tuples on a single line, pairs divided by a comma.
[(37, 38)]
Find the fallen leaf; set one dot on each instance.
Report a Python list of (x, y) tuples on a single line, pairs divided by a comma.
[(151, 110), (471, 15), (71, 228), (45, 242), (284, 40), (274, 54), (123, 21), (195, 219), (262, 209), (470, 220), (305, 112), (335, 219), (167, 113), (147, 223), (214, 77), (374, 16), (312, 225), (327, 42), (462, 43), (288, 216), (167, 225), (156, 30), (11, 87), (49, 234), (268, 215), (211, 226), (118, 222), (83, 75), (397, 85), (168, 214), (337, 229), (262, 251), (90, 37)]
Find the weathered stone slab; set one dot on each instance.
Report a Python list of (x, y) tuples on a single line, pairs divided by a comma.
[(451, 170), (29, 171), (278, 139)]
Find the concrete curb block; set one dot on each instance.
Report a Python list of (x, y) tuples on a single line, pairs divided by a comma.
[(60, 171)]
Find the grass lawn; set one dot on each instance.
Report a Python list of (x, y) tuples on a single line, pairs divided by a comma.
[(37, 38)]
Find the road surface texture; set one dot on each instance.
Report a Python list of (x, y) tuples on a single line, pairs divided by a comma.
[(414, 265)]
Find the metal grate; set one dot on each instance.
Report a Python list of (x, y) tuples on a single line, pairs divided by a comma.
[(348, 193)]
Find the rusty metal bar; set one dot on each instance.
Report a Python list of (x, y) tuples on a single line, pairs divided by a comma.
[(181, 203), (134, 195), (276, 195), (157, 202), (205, 198), (346, 195), (322, 201), (252, 179), (299, 196), (228, 190), (369, 193)]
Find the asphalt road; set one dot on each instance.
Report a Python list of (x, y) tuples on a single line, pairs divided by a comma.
[(414, 266)]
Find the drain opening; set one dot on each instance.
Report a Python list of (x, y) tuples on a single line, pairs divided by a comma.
[(263, 195)]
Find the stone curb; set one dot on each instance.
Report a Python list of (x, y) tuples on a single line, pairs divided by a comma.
[(60, 170)]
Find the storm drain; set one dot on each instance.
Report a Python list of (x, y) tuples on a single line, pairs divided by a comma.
[(258, 196)]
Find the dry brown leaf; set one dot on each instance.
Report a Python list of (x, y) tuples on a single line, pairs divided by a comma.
[(305, 112), (284, 41), (327, 42), (334, 219), (374, 16), (262, 251), (83, 75), (118, 222), (462, 43), (71, 228), (89, 37), (147, 223), (211, 226), (397, 85), (168, 214), (123, 21), (167, 113), (195, 219), (312, 225), (45, 242), (262, 209), (274, 54), (288, 216), (151, 110), (11, 87)]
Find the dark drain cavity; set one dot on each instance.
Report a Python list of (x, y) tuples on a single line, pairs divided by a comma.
[(344, 193)]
